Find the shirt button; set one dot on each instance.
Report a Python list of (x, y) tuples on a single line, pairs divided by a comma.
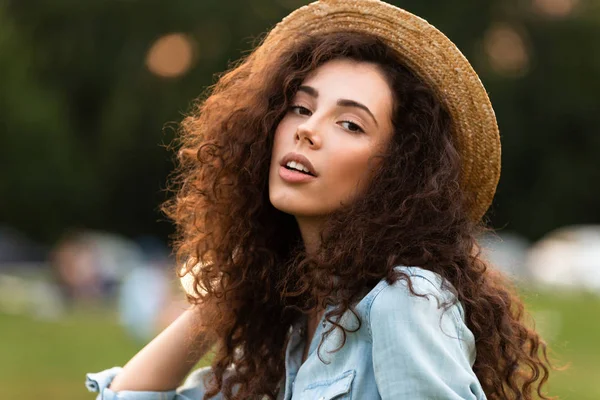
[(322, 398)]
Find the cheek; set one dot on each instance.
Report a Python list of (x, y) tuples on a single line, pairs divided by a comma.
[(279, 140), (275, 151), (280, 147), (351, 167)]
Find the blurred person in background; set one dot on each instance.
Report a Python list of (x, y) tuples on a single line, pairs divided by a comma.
[(73, 264), (140, 313), (90, 266), (332, 187)]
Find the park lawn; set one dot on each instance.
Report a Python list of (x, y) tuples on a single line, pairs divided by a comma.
[(49, 359), (570, 323)]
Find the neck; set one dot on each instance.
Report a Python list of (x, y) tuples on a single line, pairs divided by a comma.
[(310, 230)]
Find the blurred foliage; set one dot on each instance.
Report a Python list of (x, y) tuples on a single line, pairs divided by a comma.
[(84, 122)]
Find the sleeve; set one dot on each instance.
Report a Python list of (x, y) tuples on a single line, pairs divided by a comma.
[(192, 389), (419, 351)]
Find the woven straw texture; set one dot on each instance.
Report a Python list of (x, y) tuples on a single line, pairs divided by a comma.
[(433, 57)]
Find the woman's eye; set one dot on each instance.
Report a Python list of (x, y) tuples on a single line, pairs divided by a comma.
[(302, 109), (352, 127)]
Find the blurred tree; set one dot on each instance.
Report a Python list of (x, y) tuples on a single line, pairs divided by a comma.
[(36, 156), (549, 120), (83, 117)]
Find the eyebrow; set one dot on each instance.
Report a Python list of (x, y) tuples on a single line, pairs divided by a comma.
[(311, 91)]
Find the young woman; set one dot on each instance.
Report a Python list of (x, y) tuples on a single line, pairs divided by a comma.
[(330, 191)]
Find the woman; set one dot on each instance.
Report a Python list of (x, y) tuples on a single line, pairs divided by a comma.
[(330, 191)]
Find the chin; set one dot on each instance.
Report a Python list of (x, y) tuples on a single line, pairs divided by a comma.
[(296, 209), (289, 208), (289, 201)]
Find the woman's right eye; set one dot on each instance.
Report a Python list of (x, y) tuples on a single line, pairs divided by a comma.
[(300, 108)]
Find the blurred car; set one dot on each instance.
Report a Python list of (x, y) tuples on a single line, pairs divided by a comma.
[(507, 252), (568, 257)]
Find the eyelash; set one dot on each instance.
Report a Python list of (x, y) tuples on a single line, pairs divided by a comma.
[(360, 130)]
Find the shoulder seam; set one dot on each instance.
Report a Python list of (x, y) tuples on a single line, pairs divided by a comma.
[(453, 311), (372, 295)]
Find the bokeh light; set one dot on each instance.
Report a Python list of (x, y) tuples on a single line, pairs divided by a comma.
[(555, 8), (171, 55), (506, 50)]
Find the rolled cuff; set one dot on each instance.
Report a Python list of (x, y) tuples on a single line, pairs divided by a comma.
[(100, 381)]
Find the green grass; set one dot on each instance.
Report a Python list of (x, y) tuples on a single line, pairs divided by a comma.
[(570, 324), (48, 360)]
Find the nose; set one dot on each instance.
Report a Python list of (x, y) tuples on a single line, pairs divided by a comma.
[(306, 133)]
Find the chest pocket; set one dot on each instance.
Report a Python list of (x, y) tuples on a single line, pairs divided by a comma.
[(339, 388)]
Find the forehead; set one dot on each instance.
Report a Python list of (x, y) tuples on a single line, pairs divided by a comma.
[(355, 80)]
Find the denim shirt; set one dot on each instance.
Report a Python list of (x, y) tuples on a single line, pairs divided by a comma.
[(406, 348)]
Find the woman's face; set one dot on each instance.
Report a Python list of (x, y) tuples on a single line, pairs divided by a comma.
[(338, 119)]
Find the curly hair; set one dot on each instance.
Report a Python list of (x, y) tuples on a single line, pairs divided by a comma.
[(256, 277)]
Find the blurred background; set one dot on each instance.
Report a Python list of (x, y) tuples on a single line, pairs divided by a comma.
[(92, 92)]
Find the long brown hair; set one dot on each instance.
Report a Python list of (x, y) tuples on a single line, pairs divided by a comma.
[(256, 278)]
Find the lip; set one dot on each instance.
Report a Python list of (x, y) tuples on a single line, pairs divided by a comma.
[(300, 159), (294, 176)]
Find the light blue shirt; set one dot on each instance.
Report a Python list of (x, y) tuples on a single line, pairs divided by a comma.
[(406, 348)]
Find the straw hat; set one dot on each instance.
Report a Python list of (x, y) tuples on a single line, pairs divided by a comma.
[(433, 57)]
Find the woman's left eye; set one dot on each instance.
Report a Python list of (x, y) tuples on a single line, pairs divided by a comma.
[(353, 127)]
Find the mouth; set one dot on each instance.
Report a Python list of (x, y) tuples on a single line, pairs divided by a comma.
[(289, 168), (296, 162), (291, 175)]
